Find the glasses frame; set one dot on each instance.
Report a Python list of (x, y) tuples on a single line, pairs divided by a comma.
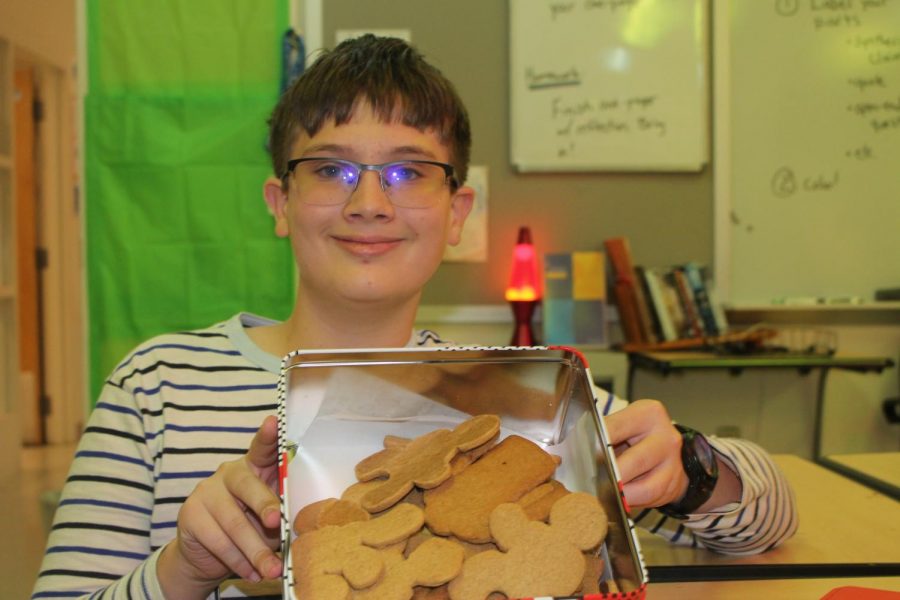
[(449, 170)]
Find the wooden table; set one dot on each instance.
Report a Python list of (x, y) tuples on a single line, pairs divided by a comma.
[(845, 530), (777, 589), (673, 362), (878, 470)]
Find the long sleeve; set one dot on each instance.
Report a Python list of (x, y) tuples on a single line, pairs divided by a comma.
[(765, 517), (167, 417), (99, 546)]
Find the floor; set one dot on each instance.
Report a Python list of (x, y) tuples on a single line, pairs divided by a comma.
[(24, 512)]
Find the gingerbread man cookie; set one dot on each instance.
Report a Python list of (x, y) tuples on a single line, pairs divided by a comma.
[(423, 462), (327, 562), (433, 563), (537, 559), (462, 506), (329, 511)]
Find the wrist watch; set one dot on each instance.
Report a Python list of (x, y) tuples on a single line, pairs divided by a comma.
[(699, 461)]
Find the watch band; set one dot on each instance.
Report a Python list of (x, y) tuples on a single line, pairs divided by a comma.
[(700, 465)]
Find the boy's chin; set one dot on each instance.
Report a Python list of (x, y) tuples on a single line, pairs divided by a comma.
[(377, 295)]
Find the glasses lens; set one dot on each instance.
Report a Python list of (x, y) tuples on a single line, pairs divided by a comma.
[(413, 184), (326, 181)]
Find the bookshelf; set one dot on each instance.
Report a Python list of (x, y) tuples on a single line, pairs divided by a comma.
[(871, 313)]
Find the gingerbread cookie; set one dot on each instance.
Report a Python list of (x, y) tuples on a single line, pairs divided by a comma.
[(462, 506), (433, 563), (329, 511), (327, 562), (537, 559), (423, 462), (307, 518), (593, 570), (538, 502), (469, 549), (460, 461)]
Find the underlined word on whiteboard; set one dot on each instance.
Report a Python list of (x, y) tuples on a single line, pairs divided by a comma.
[(609, 85)]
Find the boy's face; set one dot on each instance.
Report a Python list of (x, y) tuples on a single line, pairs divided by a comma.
[(367, 250)]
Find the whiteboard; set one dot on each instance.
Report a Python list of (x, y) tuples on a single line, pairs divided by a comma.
[(609, 85), (815, 148)]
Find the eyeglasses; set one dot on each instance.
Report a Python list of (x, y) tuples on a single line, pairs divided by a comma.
[(408, 183)]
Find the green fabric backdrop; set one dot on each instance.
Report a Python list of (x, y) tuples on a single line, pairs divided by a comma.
[(175, 126)]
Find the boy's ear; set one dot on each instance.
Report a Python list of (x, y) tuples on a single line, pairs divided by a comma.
[(276, 201), (460, 206)]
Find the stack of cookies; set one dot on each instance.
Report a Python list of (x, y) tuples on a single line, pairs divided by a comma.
[(450, 514)]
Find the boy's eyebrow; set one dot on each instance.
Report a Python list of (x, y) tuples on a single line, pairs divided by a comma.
[(404, 150), (332, 148), (341, 150)]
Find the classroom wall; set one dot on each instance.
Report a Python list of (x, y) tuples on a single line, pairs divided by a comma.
[(668, 217), (45, 28)]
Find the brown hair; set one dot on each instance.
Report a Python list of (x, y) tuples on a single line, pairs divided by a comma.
[(389, 74)]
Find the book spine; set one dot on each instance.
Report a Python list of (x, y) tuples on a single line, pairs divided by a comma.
[(626, 290), (619, 253), (701, 299), (693, 326), (628, 316), (656, 294), (673, 303), (649, 323), (643, 306)]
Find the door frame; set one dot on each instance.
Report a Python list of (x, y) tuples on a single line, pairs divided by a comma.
[(61, 235), (10, 384), (28, 271)]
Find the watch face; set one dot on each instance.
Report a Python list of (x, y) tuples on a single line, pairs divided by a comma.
[(704, 454)]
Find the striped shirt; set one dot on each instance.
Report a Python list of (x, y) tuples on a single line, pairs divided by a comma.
[(181, 404)]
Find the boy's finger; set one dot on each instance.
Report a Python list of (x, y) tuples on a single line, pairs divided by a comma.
[(625, 425), (205, 530), (240, 544), (264, 447), (252, 492)]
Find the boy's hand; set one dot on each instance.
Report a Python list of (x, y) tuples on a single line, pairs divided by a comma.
[(648, 452), (229, 524)]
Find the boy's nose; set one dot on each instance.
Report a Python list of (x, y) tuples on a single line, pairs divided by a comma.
[(369, 199)]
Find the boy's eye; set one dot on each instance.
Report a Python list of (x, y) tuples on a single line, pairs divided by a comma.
[(403, 172), (328, 170)]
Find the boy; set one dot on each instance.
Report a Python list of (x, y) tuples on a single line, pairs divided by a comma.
[(165, 500)]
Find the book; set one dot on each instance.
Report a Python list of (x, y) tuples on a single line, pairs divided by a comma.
[(660, 299), (574, 303), (693, 326), (673, 303), (628, 316), (640, 275), (626, 290), (696, 281), (645, 314)]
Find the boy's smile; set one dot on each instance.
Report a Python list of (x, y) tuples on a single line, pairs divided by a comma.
[(366, 246)]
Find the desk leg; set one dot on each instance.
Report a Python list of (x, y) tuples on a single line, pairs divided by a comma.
[(884, 487), (819, 416)]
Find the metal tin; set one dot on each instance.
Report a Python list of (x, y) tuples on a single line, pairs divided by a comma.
[(336, 407)]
